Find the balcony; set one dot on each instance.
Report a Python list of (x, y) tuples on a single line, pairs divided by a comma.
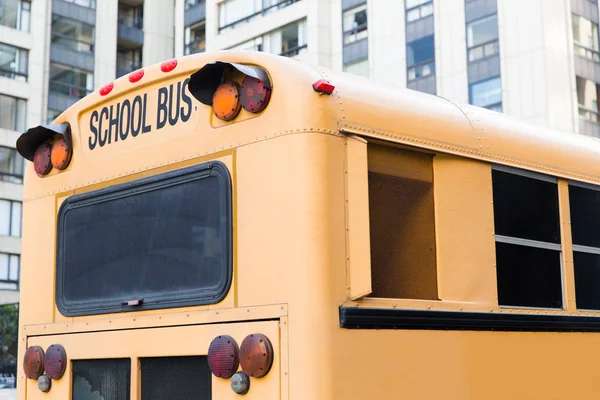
[(197, 46), (129, 29), (195, 14), (74, 11), (280, 4)]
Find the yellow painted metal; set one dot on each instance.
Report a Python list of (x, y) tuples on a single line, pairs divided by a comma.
[(292, 168)]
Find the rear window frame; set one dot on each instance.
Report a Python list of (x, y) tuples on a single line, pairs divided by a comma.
[(213, 169)]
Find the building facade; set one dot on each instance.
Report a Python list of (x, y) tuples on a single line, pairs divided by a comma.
[(538, 60)]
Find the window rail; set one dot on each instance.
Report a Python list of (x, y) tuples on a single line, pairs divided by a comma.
[(589, 114), (7, 73), (132, 22), (10, 177), (484, 50), (74, 44), (197, 46), (356, 33), (280, 4), (294, 51), (586, 52), (421, 11), (69, 89), (421, 70)]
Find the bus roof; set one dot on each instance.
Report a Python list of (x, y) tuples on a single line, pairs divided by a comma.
[(363, 107)]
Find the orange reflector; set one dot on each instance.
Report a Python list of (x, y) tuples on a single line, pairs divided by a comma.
[(136, 75), (104, 90), (256, 355), (41, 159), (168, 66), (33, 362), (61, 154), (226, 101)]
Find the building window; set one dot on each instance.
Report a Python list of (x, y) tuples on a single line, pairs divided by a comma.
[(487, 94), (83, 3), (72, 34), (255, 44), (585, 38), (587, 98), (528, 246), (417, 9), (15, 14), (192, 3), (293, 39), (585, 216), (128, 60), (11, 165), (70, 81), (195, 38), (355, 24), (132, 17), (10, 218), (360, 68), (9, 271), (482, 38), (13, 62), (13, 113), (420, 56), (234, 12)]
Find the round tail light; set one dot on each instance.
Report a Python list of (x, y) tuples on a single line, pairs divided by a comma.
[(55, 361), (226, 101), (41, 159), (254, 95), (223, 356), (256, 355), (61, 154), (33, 362)]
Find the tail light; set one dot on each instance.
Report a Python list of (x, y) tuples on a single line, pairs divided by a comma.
[(223, 356), (61, 154), (55, 361), (226, 101), (42, 159), (255, 94), (256, 355), (33, 362)]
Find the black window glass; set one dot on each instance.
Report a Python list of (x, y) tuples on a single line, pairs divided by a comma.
[(107, 379), (420, 50), (585, 216), (525, 208), (528, 276), (176, 378), (164, 241), (587, 280)]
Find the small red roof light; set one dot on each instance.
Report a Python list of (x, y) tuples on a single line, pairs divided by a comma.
[(104, 90), (136, 75), (322, 86), (168, 66)]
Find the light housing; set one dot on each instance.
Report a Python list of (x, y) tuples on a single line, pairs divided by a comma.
[(223, 356), (256, 355)]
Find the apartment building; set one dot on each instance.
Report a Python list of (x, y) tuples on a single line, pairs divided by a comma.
[(538, 60)]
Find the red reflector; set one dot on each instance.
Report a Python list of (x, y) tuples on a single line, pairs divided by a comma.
[(55, 361), (42, 159), (322, 86), (223, 356), (104, 90), (33, 362), (136, 75), (254, 95), (168, 66)]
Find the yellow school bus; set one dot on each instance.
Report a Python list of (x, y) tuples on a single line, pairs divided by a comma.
[(240, 225)]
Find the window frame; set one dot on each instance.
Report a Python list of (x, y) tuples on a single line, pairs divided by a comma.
[(8, 280), (534, 243), (421, 64), (21, 61), (490, 106), (355, 30), (419, 8), (590, 53), (213, 169), (495, 42)]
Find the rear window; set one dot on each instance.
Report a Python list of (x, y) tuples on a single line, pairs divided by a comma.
[(159, 242)]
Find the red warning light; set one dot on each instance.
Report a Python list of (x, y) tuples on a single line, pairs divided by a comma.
[(254, 95), (322, 86), (136, 75), (104, 90), (168, 66)]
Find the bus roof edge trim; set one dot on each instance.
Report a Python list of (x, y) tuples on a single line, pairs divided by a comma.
[(29, 141), (205, 81)]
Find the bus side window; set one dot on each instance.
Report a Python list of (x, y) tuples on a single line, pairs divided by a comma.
[(528, 242), (402, 225)]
